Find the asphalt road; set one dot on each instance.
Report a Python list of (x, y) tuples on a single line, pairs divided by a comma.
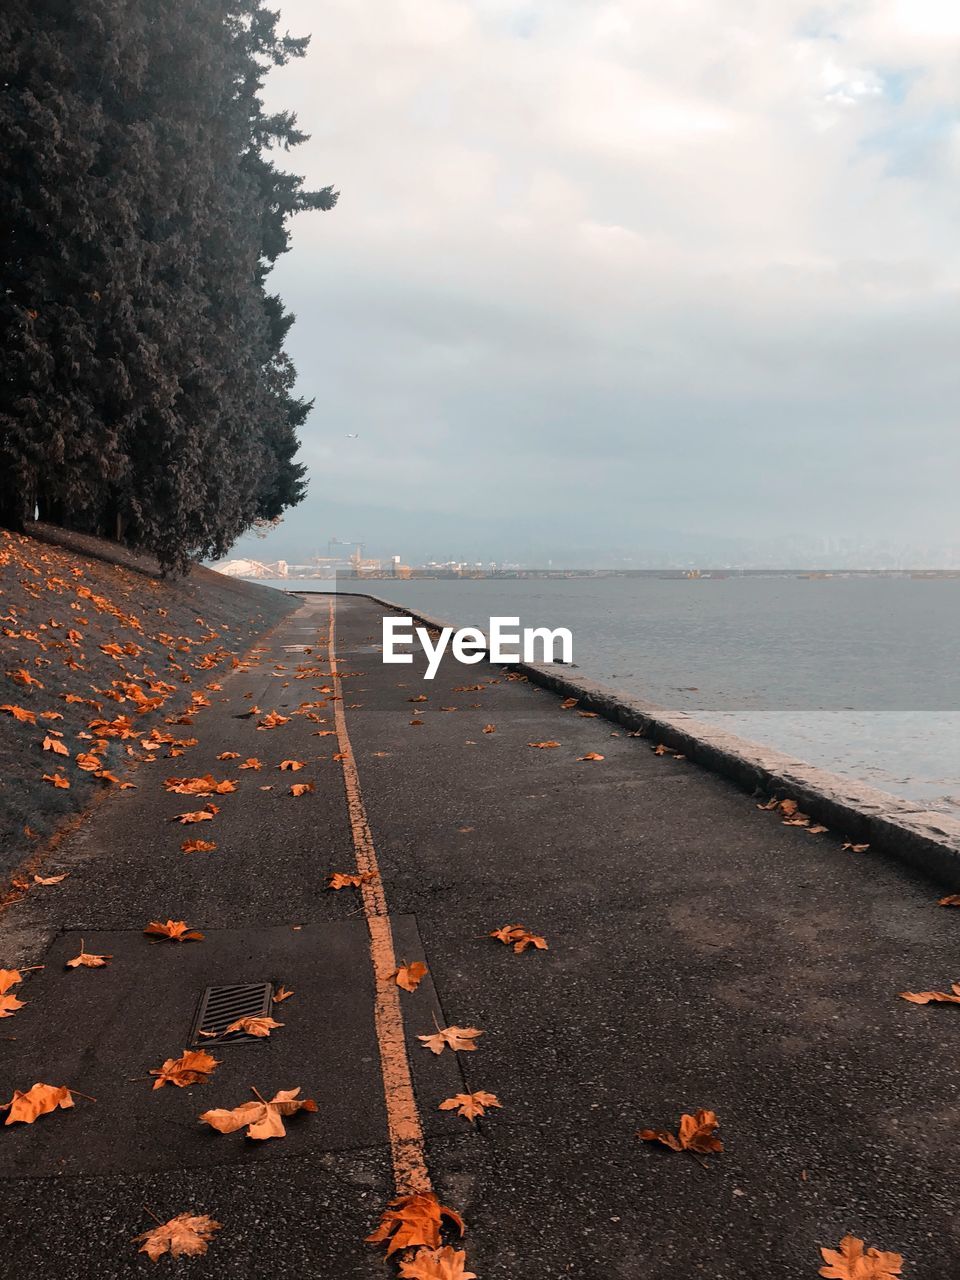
[(701, 954)]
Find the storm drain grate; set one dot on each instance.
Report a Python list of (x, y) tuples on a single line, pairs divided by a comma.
[(219, 1006)]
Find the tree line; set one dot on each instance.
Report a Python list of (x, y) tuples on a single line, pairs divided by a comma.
[(146, 395)]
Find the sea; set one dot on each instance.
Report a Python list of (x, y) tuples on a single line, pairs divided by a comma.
[(859, 675)]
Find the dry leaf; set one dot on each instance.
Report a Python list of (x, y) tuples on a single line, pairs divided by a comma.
[(459, 1039), (39, 1100), (567, 703), (470, 1105), (409, 976), (543, 745), (489, 728), (272, 720), (198, 846), (251, 763), (261, 1119), (519, 937), (697, 1133), (342, 880), (952, 900), (9, 1004), (56, 746), (175, 930), (591, 755), (259, 1026), (292, 765), (192, 1067), (87, 961), (437, 1264), (281, 993), (855, 848), (411, 1221), (852, 1262), (50, 879), (205, 786), (186, 1235), (301, 788), (197, 815), (58, 780), (933, 997), (229, 755)]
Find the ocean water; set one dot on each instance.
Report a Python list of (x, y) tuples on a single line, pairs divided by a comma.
[(856, 675)]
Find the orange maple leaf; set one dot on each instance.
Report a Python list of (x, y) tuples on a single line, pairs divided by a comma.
[(343, 880), (437, 1264), (39, 1100), (460, 1040), (50, 879), (198, 846), (20, 713), (254, 1026), (852, 1262), (410, 1221), (543, 746), (57, 780), (87, 960), (271, 720), (186, 1235), (281, 993), (205, 786), (301, 788), (192, 1067), (251, 763), (262, 1119), (9, 1004), (697, 1133), (175, 930), (517, 936), (229, 755), (197, 815), (932, 997), (470, 1105), (56, 746), (591, 755), (409, 976), (291, 765)]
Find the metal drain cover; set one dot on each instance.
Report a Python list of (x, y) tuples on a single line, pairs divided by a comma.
[(219, 1006)]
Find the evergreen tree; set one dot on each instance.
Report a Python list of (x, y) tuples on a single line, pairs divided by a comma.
[(145, 392)]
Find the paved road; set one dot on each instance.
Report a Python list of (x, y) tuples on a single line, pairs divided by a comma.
[(701, 955)]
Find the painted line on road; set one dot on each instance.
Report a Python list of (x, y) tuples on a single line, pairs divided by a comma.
[(410, 1172)]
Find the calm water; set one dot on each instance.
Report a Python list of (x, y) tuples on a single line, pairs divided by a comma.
[(856, 675)]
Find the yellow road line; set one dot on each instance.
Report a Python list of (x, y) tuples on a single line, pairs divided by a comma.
[(410, 1172)]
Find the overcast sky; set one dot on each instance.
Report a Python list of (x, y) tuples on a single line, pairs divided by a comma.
[(616, 276)]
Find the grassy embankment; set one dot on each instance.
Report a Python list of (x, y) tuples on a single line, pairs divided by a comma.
[(102, 665)]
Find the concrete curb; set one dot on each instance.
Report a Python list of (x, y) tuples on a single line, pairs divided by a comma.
[(922, 838)]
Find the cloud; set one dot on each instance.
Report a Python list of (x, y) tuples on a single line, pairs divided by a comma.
[(600, 270)]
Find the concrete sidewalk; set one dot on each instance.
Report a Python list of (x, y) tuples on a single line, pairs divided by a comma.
[(702, 954)]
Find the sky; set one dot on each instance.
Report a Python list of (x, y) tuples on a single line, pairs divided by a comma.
[(627, 281)]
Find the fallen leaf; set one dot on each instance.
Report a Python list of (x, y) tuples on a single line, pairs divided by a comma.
[(87, 961), (205, 786), (517, 936), (175, 930), (852, 1262), (9, 1004), (470, 1105), (344, 880), (198, 815), (198, 846), (409, 976), (411, 1221), (259, 1026), (862, 848), (459, 1039), (251, 763), (301, 788), (192, 1067), (421, 697), (292, 765), (816, 830), (57, 780), (56, 746), (933, 997), (591, 755), (281, 993), (543, 745), (186, 1235), (567, 703), (229, 755), (437, 1264), (272, 720), (952, 900), (50, 879), (20, 713), (489, 728), (589, 715), (697, 1133), (39, 1100), (261, 1119)]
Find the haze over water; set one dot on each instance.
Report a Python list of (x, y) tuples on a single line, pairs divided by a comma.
[(855, 675)]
